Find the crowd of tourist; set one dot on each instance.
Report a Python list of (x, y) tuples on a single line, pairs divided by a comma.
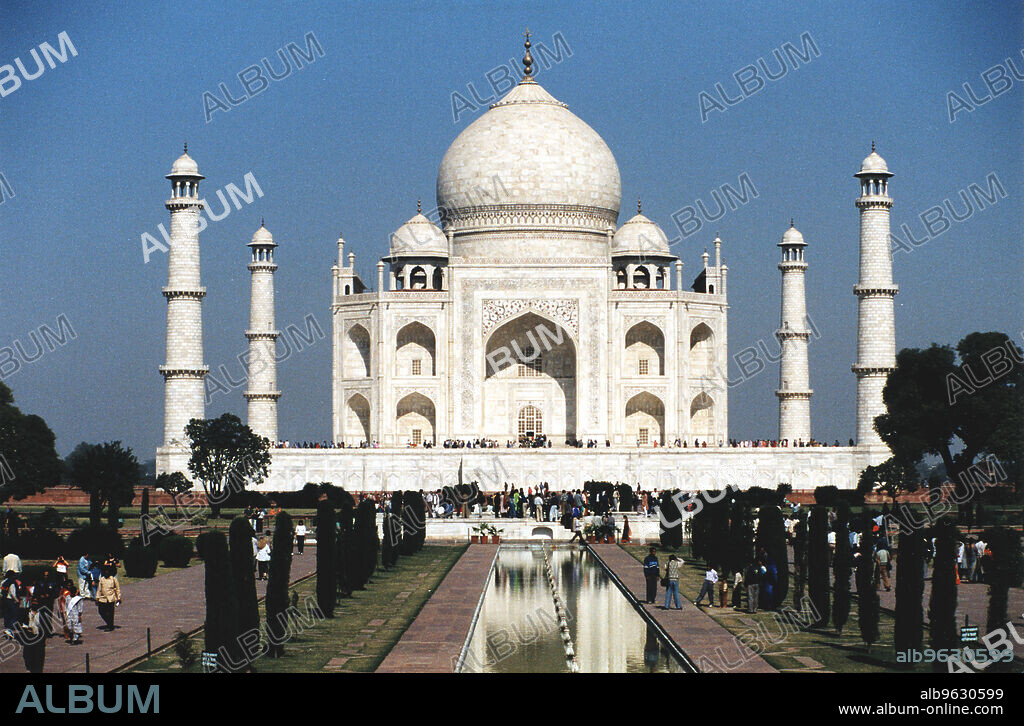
[(542, 441), (53, 604)]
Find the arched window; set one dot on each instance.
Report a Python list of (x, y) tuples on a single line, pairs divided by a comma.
[(530, 422)]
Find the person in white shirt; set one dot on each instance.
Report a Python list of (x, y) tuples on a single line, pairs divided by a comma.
[(300, 535), (708, 586), (263, 557), (979, 548), (12, 562)]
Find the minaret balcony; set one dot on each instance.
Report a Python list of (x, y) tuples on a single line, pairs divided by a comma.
[(799, 395), (866, 370), (262, 334), (179, 371), (874, 200), (263, 266), (196, 293), (787, 333), (261, 395), (176, 204), (875, 290)]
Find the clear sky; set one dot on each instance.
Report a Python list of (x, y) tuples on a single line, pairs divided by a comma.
[(348, 143)]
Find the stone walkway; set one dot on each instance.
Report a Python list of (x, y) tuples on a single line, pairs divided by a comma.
[(164, 604), (710, 646), (433, 642)]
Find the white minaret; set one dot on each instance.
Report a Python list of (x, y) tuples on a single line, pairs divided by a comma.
[(184, 369), (794, 383), (262, 393), (876, 330)]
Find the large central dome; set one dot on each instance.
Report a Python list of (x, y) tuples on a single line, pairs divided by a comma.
[(529, 162)]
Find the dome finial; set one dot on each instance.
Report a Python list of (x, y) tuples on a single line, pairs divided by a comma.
[(527, 59), (791, 222), (639, 208), (263, 222), (186, 147), (419, 206), (872, 144)]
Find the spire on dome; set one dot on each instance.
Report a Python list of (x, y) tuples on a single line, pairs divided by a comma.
[(527, 59), (639, 208), (419, 206), (791, 219), (872, 144)]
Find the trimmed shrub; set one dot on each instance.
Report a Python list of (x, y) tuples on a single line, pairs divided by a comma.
[(140, 560), (37, 544), (908, 631), (221, 627), (671, 536), (343, 551), (841, 569), (817, 563), (1002, 573), (827, 496), (240, 536), (771, 535), (867, 595), (367, 543), (176, 551), (942, 607), (277, 584), (98, 540), (326, 585)]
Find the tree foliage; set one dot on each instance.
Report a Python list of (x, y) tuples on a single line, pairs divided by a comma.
[(841, 569), (221, 627), (326, 585), (243, 564), (867, 596), (174, 483), (28, 455), (771, 536), (226, 456), (1003, 573), (817, 563), (108, 473), (942, 606), (908, 632)]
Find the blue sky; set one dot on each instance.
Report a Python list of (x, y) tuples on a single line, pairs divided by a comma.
[(348, 143)]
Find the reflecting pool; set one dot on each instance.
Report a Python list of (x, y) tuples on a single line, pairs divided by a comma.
[(518, 628)]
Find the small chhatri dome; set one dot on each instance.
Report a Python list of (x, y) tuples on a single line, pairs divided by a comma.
[(419, 236), (640, 236), (185, 165), (792, 236), (262, 237), (873, 164)]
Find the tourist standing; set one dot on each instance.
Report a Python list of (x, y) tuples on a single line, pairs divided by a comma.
[(263, 557), (74, 610), (12, 563), (60, 566), (882, 568), (108, 597), (651, 570), (33, 645), (300, 535), (84, 573), (626, 532), (753, 585), (708, 586), (46, 593), (671, 582), (11, 590)]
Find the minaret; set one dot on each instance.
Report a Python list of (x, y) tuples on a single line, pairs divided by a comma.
[(794, 384), (876, 330), (184, 368), (262, 393)]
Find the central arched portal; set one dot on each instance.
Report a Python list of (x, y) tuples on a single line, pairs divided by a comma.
[(530, 381)]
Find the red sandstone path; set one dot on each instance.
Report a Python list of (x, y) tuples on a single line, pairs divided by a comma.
[(712, 648), (164, 604)]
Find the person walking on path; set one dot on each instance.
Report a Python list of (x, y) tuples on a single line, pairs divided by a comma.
[(652, 568), (737, 590), (263, 557), (627, 534), (707, 587), (671, 581), (108, 597), (300, 535), (73, 612), (46, 593), (882, 568), (33, 640), (577, 530), (60, 566), (10, 592), (84, 574), (755, 573)]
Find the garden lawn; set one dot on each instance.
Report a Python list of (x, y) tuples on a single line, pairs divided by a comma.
[(364, 628)]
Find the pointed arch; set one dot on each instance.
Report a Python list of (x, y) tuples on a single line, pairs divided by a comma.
[(702, 349), (357, 420), (702, 418), (645, 420), (356, 352), (415, 419), (645, 341), (415, 341)]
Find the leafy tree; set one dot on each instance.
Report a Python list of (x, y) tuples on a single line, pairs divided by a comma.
[(957, 410), (907, 634), (140, 559), (109, 473), (221, 627), (942, 607), (326, 585), (841, 569), (741, 536), (817, 563), (771, 536), (867, 596), (174, 483), (226, 456), (277, 583), (892, 477), (1003, 573), (28, 456), (243, 564)]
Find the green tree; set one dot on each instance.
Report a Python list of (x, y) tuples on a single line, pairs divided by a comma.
[(243, 564), (841, 569), (277, 583), (908, 633), (174, 483), (817, 563), (942, 606), (28, 456), (326, 586), (771, 536), (109, 473), (226, 457), (367, 543), (221, 627), (867, 595), (1003, 573), (343, 548)]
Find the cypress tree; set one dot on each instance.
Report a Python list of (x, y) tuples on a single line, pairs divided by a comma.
[(942, 607), (420, 510), (391, 541), (867, 595), (221, 627), (841, 569), (365, 531), (240, 537), (1003, 571), (771, 535), (817, 564), (326, 587), (908, 631), (800, 559), (741, 536), (671, 524), (343, 550), (277, 583)]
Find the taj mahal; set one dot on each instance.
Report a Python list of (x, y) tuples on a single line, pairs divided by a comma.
[(528, 317)]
